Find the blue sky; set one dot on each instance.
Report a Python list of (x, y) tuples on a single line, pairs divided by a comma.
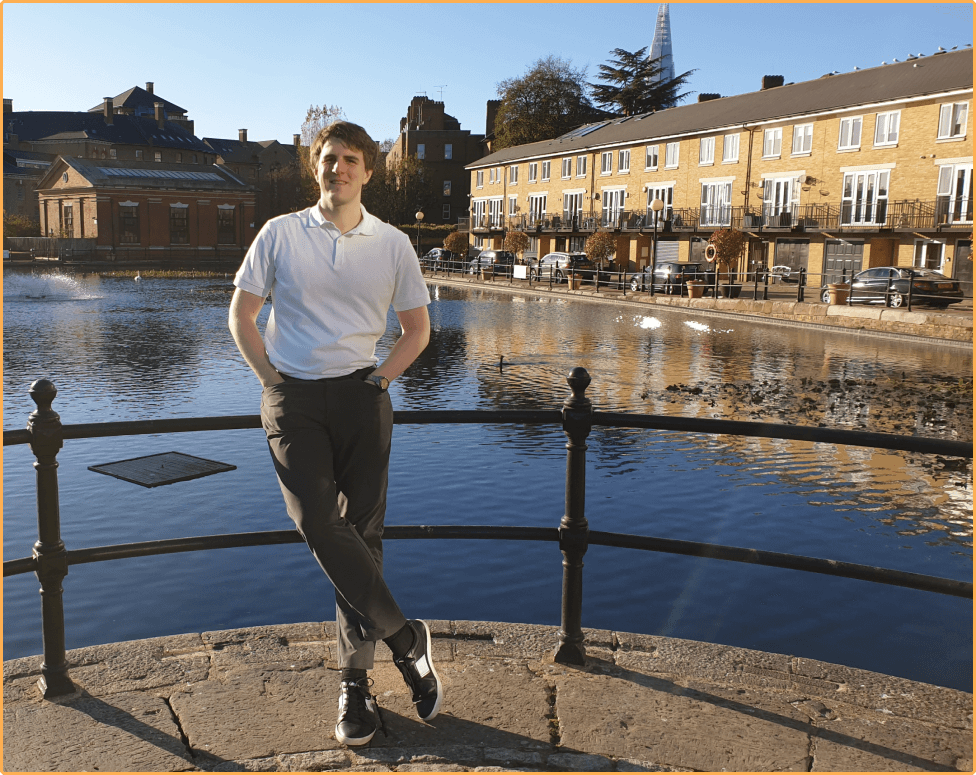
[(260, 66)]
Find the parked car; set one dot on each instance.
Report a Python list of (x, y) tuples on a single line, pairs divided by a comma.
[(928, 287), (670, 277), (496, 259), (559, 265), (434, 259)]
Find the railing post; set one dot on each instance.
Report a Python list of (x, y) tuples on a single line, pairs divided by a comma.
[(573, 528), (47, 438)]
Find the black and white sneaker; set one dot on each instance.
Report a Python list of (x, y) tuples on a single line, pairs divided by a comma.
[(418, 671), (357, 713)]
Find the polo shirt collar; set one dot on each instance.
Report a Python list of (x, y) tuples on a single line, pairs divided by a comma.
[(367, 226)]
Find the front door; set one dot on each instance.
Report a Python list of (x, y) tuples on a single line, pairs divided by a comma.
[(963, 264)]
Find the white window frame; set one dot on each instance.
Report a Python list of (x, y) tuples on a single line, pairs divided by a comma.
[(479, 179), (537, 208), (512, 206), (533, 171), (623, 161), (496, 212), (446, 212), (665, 193), (478, 208), (921, 254), (716, 203), (954, 195), (651, 157), (421, 150), (953, 117), (546, 170), (447, 188), (706, 151), (513, 171), (781, 196), (606, 163), (802, 140), (886, 128), (448, 151), (861, 197), (849, 135), (773, 143), (612, 203), (730, 148), (581, 166), (672, 156), (572, 205), (567, 168)]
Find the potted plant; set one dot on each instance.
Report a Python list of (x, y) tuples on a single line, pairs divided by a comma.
[(727, 246), (600, 247), (516, 242)]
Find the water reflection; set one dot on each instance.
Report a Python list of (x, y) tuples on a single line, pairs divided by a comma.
[(120, 350)]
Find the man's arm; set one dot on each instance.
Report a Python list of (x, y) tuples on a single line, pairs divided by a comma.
[(244, 310), (415, 327)]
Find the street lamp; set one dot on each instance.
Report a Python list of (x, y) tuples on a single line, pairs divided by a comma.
[(419, 216), (656, 205)]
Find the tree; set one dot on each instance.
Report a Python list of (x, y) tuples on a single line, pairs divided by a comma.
[(516, 242), (397, 190), (16, 225), (457, 243), (600, 247), (632, 84), (546, 102), (729, 245)]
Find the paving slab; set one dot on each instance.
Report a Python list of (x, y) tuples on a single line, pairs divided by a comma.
[(264, 699)]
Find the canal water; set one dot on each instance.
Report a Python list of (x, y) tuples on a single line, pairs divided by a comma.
[(125, 349)]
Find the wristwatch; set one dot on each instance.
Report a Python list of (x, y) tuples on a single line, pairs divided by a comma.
[(381, 382)]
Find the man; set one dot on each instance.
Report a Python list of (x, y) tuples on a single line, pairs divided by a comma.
[(333, 272)]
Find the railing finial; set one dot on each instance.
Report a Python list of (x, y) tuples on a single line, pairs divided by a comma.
[(578, 381)]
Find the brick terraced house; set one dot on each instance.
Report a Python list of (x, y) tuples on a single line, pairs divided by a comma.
[(842, 173)]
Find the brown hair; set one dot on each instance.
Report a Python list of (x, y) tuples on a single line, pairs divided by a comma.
[(350, 135)]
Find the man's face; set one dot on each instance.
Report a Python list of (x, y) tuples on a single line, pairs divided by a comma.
[(341, 173)]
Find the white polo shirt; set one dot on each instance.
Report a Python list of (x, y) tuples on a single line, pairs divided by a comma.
[(330, 292)]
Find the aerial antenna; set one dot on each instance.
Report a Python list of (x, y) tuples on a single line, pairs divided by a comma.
[(441, 90)]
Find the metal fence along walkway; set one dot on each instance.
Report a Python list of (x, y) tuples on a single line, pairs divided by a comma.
[(51, 559)]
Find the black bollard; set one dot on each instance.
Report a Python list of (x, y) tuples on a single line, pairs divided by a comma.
[(573, 528), (47, 438)]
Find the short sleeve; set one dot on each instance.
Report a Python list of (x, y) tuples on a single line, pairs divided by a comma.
[(411, 288), (256, 275)]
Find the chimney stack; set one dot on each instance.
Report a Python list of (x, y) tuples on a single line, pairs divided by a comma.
[(8, 106), (109, 110), (160, 115), (242, 135), (708, 97), (772, 81), (149, 86), (296, 140)]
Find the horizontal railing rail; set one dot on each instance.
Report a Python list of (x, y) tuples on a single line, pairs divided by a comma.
[(51, 559)]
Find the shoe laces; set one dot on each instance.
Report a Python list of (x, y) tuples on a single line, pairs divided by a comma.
[(355, 699)]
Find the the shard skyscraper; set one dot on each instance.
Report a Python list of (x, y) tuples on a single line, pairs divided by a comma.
[(661, 47)]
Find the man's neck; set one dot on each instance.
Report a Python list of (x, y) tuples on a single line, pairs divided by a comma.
[(346, 217)]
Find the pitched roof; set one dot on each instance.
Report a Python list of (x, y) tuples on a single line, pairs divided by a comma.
[(234, 150), (105, 173), (136, 98), (938, 73), (38, 126)]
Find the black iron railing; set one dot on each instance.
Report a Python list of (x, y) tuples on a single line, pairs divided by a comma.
[(50, 559)]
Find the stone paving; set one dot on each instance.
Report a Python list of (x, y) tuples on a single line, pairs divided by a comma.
[(264, 699)]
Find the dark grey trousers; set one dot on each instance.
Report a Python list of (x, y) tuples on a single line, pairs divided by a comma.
[(330, 441)]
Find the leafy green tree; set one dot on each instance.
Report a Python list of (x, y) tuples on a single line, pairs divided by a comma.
[(457, 243), (632, 85), (16, 225), (546, 102)]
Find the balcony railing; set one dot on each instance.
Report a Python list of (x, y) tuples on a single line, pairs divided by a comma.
[(50, 559)]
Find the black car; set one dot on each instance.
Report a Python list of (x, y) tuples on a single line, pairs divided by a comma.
[(559, 265), (670, 277), (498, 260), (434, 259), (890, 284)]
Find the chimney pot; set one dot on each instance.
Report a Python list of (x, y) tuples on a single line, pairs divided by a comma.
[(109, 110), (149, 86), (242, 135)]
